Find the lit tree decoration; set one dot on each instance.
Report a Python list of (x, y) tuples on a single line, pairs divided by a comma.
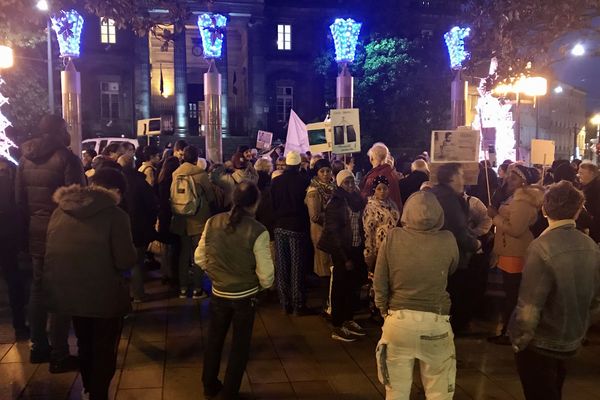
[(5, 142), (68, 26), (345, 37), (212, 32), (455, 41)]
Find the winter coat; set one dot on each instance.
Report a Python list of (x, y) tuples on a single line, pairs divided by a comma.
[(46, 165), (288, 192), (11, 222), (89, 247), (560, 292), (379, 217), (264, 212), (164, 210), (456, 217), (514, 218), (414, 261), (194, 225), (411, 184), (592, 205), (316, 204), (142, 207), (481, 189), (149, 171), (366, 187)]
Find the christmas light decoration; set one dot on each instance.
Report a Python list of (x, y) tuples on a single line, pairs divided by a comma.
[(5, 143), (345, 37), (212, 32), (68, 26), (455, 41)]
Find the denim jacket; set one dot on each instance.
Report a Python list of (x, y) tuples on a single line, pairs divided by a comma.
[(560, 291)]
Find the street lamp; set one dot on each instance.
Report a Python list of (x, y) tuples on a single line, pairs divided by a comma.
[(578, 50), (43, 6), (345, 38)]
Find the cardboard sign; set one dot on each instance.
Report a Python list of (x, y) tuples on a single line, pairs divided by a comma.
[(470, 170), (320, 137), (264, 140), (460, 146), (542, 152), (345, 124)]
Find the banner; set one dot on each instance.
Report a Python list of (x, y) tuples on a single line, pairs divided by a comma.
[(542, 152), (297, 136), (460, 146), (264, 140), (346, 130)]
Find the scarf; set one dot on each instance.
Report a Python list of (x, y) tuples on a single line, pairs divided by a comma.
[(325, 190), (354, 200)]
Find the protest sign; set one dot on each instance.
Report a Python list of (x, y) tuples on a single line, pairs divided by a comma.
[(264, 140), (297, 136), (542, 152), (460, 146), (320, 137), (346, 131)]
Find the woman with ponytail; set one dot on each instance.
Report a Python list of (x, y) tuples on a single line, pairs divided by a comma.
[(234, 252)]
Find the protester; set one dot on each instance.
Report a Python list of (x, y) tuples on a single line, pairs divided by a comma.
[(558, 299), (11, 240), (264, 213), (343, 238), (381, 214), (410, 291), (291, 234), (412, 183), (590, 184), (336, 167), (241, 157), (378, 155), (178, 149), (450, 194), (169, 258), (513, 236), (280, 164), (350, 163), (486, 185), (47, 164), (191, 197), (234, 252), (313, 161), (318, 194), (565, 172), (88, 157), (89, 247), (113, 151), (151, 157)]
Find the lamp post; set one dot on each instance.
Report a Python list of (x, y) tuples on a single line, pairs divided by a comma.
[(455, 42), (42, 5), (212, 32), (68, 26), (6, 61), (345, 37)]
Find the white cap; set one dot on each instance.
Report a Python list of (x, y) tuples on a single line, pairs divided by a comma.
[(343, 175), (292, 158)]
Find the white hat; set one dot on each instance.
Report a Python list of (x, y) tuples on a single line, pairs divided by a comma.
[(292, 158), (342, 176)]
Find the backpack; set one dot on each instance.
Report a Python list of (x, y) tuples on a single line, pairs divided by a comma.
[(185, 199)]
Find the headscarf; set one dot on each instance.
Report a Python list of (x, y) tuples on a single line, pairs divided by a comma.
[(379, 179)]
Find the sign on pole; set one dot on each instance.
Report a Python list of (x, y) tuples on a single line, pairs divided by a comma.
[(346, 130), (264, 140), (320, 137), (458, 146), (542, 152)]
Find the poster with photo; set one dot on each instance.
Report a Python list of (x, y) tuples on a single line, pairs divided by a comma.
[(319, 137), (460, 146), (346, 130), (264, 140)]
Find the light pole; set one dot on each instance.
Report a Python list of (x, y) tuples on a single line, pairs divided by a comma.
[(345, 37), (455, 42), (42, 5)]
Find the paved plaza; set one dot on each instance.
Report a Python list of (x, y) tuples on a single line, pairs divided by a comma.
[(161, 351)]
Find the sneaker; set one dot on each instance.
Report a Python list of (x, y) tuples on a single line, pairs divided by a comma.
[(65, 364), (199, 294), (354, 328), (39, 356), (183, 294), (342, 334)]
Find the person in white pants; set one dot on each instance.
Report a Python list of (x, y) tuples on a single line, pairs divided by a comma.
[(410, 281)]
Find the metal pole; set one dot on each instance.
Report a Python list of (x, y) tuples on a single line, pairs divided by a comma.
[(457, 94), (71, 104), (518, 129), (537, 117), (344, 88), (212, 114), (50, 72)]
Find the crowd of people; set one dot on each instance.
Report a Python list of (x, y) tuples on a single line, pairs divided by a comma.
[(422, 244)]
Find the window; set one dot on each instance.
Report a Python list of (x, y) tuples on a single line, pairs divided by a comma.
[(285, 102), (108, 32), (109, 96), (284, 37)]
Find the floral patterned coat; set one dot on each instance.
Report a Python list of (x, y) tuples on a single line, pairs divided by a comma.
[(378, 218)]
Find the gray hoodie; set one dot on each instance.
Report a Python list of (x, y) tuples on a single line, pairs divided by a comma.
[(414, 262)]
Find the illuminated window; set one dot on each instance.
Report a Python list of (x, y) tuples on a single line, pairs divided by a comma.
[(285, 102), (284, 37), (109, 100), (108, 32)]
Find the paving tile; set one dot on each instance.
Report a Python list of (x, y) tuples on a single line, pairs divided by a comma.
[(14, 378), (184, 352), (45, 384), (150, 376), (282, 390), (317, 389), (139, 394), (4, 348), (355, 384), (18, 353), (266, 371), (302, 369), (143, 354), (183, 383)]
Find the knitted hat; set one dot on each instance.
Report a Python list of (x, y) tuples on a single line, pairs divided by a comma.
[(322, 163), (292, 158), (526, 173), (379, 179), (342, 176)]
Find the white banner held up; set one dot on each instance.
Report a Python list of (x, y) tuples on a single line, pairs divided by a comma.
[(264, 140), (297, 135), (346, 130)]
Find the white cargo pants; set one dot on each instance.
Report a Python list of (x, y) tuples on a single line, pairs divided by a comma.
[(427, 337)]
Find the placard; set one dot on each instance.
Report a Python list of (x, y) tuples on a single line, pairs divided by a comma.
[(542, 152), (345, 125), (264, 140), (320, 137), (460, 146)]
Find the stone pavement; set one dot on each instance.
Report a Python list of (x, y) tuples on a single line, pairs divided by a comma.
[(161, 349)]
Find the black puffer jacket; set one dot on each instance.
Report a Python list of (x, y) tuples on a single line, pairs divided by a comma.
[(142, 207), (46, 165)]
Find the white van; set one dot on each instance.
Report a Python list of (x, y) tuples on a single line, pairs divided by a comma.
[(98, 144)]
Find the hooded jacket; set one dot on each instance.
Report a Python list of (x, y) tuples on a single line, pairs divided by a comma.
[(514, 218), (46, 165), (414, 261), (89, 247)]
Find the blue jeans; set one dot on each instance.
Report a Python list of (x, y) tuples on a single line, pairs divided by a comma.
[(224, 312)]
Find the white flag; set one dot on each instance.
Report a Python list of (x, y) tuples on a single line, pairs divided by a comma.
[(297, 135)]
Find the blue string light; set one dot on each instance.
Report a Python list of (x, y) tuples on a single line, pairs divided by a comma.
[(68, 26), (455, 41), (345, 37), (212, 32)]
